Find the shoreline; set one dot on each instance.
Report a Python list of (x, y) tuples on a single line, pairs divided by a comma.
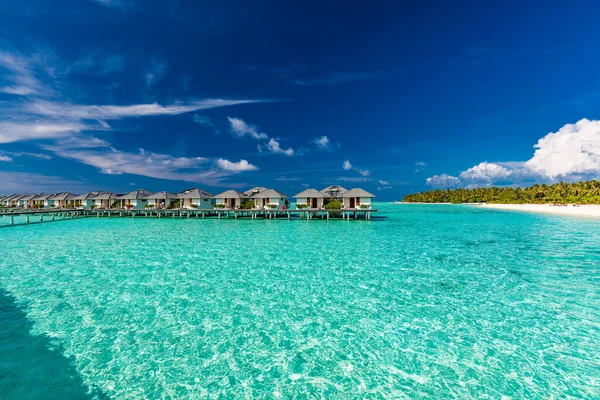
[(587, 210)]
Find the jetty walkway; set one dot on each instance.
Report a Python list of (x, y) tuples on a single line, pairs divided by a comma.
[(21, 217)]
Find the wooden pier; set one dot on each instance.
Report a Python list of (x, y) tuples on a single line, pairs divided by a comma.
[(47, 215)]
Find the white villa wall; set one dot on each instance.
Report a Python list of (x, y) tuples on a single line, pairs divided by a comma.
[(203, 204)]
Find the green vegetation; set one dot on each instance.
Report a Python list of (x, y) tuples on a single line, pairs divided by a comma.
[(116, 204), (174, 204), (302, 205), (150, 206), (559, 193), (272, 205), (247, 204), (364, 206), (219, 205)]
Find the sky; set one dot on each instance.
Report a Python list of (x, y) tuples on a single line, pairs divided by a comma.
[(393, 97)]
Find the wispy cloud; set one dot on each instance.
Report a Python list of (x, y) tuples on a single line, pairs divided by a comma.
[(205, 121), (22, 182), (420, 166), (46, 129), (96, 63), (304, 75), (21, 73), (287, 179), (157, 70), (5, 158), (108, 112), (241, 129)]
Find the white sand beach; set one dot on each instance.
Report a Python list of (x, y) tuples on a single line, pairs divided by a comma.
[(592, 211)]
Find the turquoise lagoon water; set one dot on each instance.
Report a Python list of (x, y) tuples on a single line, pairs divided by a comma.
[(432, 301)]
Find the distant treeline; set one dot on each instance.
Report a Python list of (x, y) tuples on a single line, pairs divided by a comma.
[(558, 193)]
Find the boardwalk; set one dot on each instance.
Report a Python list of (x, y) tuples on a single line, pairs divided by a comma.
[(45, 215)]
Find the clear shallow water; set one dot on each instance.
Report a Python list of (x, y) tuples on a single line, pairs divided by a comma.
[(438, 301)]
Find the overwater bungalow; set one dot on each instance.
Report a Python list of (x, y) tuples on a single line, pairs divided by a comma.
[(196, 198), (310, 198), (86, 200), (135, 199), (160, 199), (105, 199), (229, 199), (268, 199), (60, 199), (40, 200), (26, 200), (356, 198), (334, 191), (254, 191)]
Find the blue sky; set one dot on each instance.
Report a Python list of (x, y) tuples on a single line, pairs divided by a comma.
[(389, 96)]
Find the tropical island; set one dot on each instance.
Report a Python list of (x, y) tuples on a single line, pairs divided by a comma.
[(587, 192)]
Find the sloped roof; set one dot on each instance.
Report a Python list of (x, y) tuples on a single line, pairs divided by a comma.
[(357, 192), (269, 193), (136, 194), (255, 190), (13, 196), (86, 196), (312, 193), (27, 197), (333, 191), (43, 196), (61, 196), (194, 194), (230, 194), (161, 196), (105, 196)]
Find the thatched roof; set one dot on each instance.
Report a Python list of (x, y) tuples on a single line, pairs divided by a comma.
[(357, 192), (135, 195), (312, 193), (194, 194), (230, 194), (269, 193), (161, 196), (333, 191)]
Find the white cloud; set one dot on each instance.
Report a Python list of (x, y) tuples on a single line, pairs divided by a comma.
[(274, 147), (443, 181), (323, 143), (485, 172), (420, 164), (21, 72), (241, 128), (75, 111), (353, 179), (15, 132), (239, 166), (347, 166), (384, 183), (572, 152), (5, 158)]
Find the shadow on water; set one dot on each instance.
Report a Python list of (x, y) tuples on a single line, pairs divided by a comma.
[(31, 367)]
